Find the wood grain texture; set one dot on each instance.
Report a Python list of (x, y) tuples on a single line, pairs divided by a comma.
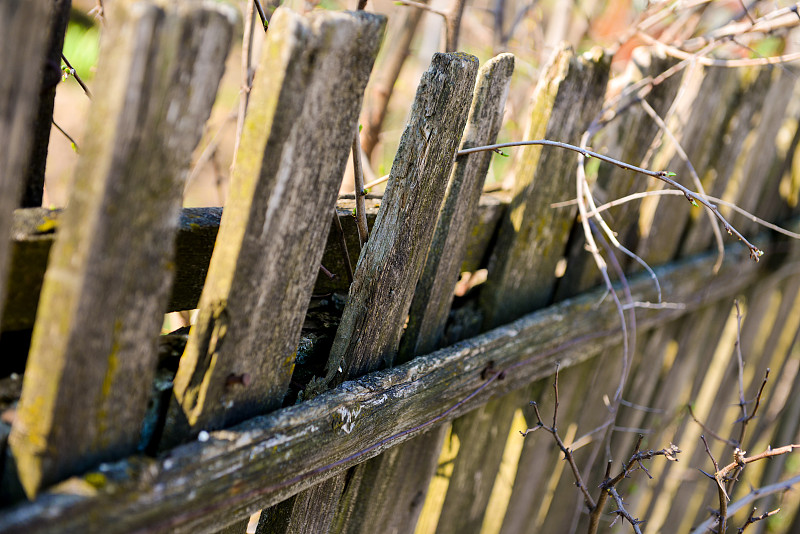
[(718, 92), (254, 465), (533, 236), (380, 296), (20, 47), (106, 285), (628, 138), (272, 236), (389, 495)]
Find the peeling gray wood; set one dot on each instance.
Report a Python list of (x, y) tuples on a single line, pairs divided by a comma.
[(254, 465), (106, 286), (304, 513), (240, 354), (533, 235), (389, 496), (380, 296), (34, 230), (22, 48)]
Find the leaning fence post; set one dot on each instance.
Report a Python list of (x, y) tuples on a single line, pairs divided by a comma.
[(20, 47), (94, 347), (302, 111)]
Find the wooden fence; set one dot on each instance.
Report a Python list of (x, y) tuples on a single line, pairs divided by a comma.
[(350, 416)]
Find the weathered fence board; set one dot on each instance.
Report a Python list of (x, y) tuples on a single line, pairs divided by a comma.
[(240, 354), (533, 236), (21, 48), (193, 487), (372, 322), (379, 499), (106, 286)]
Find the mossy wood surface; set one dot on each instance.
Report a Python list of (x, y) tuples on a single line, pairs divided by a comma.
[(200, 486), (23, 53), (109, 273), (389, 495), (296, 140), (533, 235)]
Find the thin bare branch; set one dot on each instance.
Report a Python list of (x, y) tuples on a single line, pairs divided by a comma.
[(72, 72)]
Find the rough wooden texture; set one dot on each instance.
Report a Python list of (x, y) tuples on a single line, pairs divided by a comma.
[(380, 296), (434, 292), (254, 465), (533, 236), (240, 354), (392, 487), (34, 230), (389, 494), (106, 286), (34, 175), (734, 178), (21, 48), (304, 512), (483, 434)]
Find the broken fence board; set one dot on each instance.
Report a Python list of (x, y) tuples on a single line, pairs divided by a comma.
[(106, 285), (240, 354), (253, 465)]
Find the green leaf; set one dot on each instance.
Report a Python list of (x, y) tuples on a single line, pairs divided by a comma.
[(360, 127), (74, 147), (669, 173), (694, 203)]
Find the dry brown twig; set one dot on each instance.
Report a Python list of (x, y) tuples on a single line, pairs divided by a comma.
[(608, 486)]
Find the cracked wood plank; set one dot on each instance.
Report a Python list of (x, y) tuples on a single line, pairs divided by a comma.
[(533, 236), (106, 285), (297, 135)]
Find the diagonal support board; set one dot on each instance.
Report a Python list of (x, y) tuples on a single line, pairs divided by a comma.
[(105, 290), (303, 108), (243, 469)]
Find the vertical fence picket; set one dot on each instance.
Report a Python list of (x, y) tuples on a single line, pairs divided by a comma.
[(533, 235), (390, 496), (20, 47), (303, 108), (628, 138), (531, 241), (94, 345), (392, 260)]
